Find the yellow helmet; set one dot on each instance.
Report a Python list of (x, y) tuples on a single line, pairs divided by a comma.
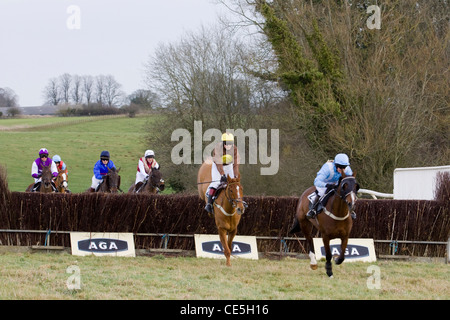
[(227, 159), (227, 137)]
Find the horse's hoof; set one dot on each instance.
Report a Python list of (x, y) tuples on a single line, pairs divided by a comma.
[(313, 266), (330, 277), (338, 261)]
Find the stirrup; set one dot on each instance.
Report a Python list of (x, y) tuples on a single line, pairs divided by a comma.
[(311, 214), (353, 215)]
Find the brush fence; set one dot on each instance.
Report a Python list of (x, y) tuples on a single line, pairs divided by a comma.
[(404, 227)]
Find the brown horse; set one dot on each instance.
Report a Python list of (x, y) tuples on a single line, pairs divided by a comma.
[(111, 182), (46, 181), (228, 206), (154, 184), (334, 222), (61, 182)]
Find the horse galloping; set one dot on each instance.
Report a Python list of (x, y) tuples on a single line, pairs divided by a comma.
[(228, 206), (111, 182), (152, 185), (334, 222), (46, 185)]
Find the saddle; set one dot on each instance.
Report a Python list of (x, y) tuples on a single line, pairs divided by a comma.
[(222, 186)]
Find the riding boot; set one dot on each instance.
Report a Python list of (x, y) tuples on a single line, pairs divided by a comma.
[(209, 200), (312, 207), (353, 215), (138, 186), (36, 187)]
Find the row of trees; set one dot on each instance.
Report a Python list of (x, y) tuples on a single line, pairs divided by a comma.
[(316, 72), (77, 90)]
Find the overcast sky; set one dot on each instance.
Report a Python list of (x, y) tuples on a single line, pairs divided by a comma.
[(42, 39)]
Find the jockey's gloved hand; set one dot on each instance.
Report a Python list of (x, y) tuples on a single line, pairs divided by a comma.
[(223, 178), (330, 185)]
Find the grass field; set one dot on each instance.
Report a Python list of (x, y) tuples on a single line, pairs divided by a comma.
[(45, 276), (79, 141)]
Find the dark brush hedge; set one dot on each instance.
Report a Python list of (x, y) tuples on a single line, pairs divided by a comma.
[(184, 214)]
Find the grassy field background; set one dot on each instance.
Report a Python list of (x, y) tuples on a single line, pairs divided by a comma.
[(79, 141), (45, 276)]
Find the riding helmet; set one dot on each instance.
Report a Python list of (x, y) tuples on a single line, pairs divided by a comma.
[(104, 155), (149, 153), (342, 159), (43, 151), (227, 137)]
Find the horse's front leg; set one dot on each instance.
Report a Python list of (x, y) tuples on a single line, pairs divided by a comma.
[(231, 236), (226, 248), (341, 257), (328, 266)]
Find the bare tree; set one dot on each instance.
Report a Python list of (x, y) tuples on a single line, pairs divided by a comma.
[(100, 88), (88, 88), (8, 98), (77, 89), (111, 91), (65, 82), (51, 93)]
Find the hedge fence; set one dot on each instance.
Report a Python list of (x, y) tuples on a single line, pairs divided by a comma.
[(393, 220)]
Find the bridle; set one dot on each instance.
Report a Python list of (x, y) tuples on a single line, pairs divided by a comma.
[(235, 201), (343, 194)]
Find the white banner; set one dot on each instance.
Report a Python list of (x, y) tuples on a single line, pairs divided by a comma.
[(209, 246), (357, 249), (102, 244)]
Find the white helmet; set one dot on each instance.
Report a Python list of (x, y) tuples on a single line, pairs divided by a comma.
[(149, 153)]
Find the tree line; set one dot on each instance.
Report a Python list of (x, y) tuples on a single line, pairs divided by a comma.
[(87, 89), (315, 71)]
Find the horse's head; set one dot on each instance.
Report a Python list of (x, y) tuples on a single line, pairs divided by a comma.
[(46, 177), (156, 179), (61, 180), (347, 190), (235, 194), (113, 180)]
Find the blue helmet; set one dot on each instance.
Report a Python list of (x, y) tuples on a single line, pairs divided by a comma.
[(56, 158), (342, 159), (104, 155)]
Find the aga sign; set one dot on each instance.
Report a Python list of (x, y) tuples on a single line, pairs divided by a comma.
[(357, 249), (102, 244), (209, 246)]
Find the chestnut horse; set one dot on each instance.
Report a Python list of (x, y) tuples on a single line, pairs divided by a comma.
[(111, 182), (46, 181), (333, 222), (228, 206), (152, 185), (61, 182)]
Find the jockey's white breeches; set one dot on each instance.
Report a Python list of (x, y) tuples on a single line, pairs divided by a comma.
[(215, 175), (321, 191), (140, 177), (95, 182)]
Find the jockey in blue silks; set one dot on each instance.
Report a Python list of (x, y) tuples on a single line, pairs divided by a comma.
[(326, 179), (101, 169)]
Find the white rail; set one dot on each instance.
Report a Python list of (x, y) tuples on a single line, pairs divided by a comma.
[(376, 194)]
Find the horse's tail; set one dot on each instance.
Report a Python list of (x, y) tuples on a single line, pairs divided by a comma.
[(296, 225)]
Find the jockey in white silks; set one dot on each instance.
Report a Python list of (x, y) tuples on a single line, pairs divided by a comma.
[(144, 168), (225, 162)]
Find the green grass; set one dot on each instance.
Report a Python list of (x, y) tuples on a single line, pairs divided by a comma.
[(44, 276), (78, 141)]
